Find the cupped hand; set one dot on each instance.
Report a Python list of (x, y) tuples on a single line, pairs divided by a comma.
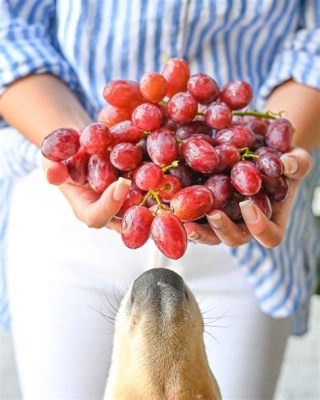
[(95, 210), (269, 233)]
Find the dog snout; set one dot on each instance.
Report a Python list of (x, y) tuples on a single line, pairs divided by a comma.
[(158, 285)]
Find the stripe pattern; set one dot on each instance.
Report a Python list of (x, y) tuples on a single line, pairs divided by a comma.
[(87, 43)]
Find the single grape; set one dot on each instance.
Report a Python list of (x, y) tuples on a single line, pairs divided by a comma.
[(232, 209), (95, 138), (111, 115), (279, 135), (147, 117), (60, 144), (203, 88), (172, 125), (192, 203), (269, 164), (218, 115), (77, 167), (148, 176), (182, 107), (125, 156), (277, 188), (176, 72), (220, 186), (162, 147), (169, 186), (237, 94), (200, 155), (262, 201), (153, 86), (229, 155), (169, 235), (265, 149), (256, 124), (125, 131), (101, 173), (240, 136), (246, 178), (133, 198), (122, 93), (183, 173), (192, 128), (143, 146), (135, 226), (259, 141)]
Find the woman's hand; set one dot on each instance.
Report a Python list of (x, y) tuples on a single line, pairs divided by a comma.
[(95, 210), (269, 233)]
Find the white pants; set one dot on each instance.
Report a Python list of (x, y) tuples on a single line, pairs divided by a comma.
[(63, 277)]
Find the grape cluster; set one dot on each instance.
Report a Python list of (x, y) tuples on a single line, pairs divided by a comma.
[(187, 149)]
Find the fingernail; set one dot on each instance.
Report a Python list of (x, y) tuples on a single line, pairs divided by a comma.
[(193, 236), (121, 189), (215, 220), (290, 165), (249, 212)]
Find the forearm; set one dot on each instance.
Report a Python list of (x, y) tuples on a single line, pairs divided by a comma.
[(302, 107), (38, 104)]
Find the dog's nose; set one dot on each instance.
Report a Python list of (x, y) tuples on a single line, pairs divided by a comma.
[(158, 285)]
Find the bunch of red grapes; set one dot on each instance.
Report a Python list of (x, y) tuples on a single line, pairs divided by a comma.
[(186, 148)]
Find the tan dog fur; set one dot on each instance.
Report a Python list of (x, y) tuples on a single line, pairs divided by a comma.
[(160, 357)]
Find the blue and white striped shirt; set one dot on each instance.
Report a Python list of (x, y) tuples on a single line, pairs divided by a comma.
[(87, 43)]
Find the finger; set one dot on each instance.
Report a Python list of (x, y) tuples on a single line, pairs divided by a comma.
[(227, 231), (94, 210), (114, 224), (55, 172), (201, 233), (297, 163)]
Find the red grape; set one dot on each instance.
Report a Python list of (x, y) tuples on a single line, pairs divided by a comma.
[(203, 88), (77, 167), (265, 149), (169, 186), (125, 131), (220, 186), (218, 115), (169, 235), (162, 147), (135, 226), (192, 202), (125, 156), (176, 72), (148, 176), (256, 124), (200, 155), (122, 93), (237, 94), (101, 173), (228, 154), (147, 117), (269, 164), (184, 173), (279, 135), (259, 141), (111, 115), (182, 107), (60, 144), (192, 128), (240, 136), (133, 198), (153, 86), (277, 188), (246, 178), (262, 201), (232, 209), (95, 138)]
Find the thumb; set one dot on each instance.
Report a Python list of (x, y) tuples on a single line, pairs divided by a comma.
[(55, 172)]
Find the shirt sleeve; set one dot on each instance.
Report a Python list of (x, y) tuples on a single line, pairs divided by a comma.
[(27, 42), (300, 57)]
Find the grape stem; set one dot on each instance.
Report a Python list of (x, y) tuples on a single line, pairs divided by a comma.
[(246, 154), (174, 164), (259, 114)]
